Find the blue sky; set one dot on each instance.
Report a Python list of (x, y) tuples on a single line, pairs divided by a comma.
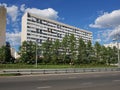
[(102, 17)]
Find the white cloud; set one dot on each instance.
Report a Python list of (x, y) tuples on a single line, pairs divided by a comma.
[(8, 21), (22, 7), (97, 40), (13, 34), (12, 11), (107, 20), (115, 32), (13, 38), (3, 4), (47, 13)]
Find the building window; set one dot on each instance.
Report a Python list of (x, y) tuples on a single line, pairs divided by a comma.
[(28, 26), (37, 30), (40, 40), (28, 33), (40, 31), (58, 26)]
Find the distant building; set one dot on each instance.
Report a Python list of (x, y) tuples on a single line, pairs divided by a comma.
[(112, 45), (2, 25), (39, 29), (14, 53)]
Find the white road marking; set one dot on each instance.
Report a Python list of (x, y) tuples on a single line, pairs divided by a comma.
[(116, 80), (97, 75), (87, 83), (72, 77), (44, 87)]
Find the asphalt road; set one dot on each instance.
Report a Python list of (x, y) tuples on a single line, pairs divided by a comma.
[(87, 81)]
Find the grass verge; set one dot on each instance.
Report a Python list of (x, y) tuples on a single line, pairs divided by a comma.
[(10, 74), (26, 66)]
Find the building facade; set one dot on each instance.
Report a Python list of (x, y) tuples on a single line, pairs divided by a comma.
[(113, 44), (2, 25), (14, 53), (39, 29)]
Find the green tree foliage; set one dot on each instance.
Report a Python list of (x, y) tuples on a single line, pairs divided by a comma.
[(64, 47), (104, 55), (56, 52), (89, 52), (8, 57), (28, 52), (97, 48), (111, 55), (47, 51), (69, 50), (81, 52), (72, 48), (2, 54), (5, 54), (115, 55)]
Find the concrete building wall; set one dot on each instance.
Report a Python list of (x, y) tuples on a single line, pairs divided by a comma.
[(117, 45), (39, 29), (24, 28), (14, 53), (2, 25)]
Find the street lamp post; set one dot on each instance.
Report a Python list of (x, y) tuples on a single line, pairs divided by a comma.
[(118, 52), (117, 38), (36, 56)]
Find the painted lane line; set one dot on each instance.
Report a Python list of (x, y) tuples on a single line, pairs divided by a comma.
[(72, 77), (87, 83), (44, 87), (116, 80)]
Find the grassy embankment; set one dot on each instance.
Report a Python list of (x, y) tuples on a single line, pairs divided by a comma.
[(26, 66)]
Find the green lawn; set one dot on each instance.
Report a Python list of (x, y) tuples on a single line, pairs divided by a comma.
[(10, 74), (25, 66)]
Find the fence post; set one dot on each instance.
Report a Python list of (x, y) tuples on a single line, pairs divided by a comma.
[(44, 71), (83, 70), (31, 71), (56, 71), (92, 70), (99, 69), (74, 70), (66, 70)]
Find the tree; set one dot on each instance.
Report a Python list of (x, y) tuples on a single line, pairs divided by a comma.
[(39, 54), (8, 57), (27, 52), (115, 55), (47, 51), (103, 55), (64, 47), (5, 54), (56, 52), (2, 54), (81, 52), (112, 55), (97, 48), (72, 48), (89, 52)]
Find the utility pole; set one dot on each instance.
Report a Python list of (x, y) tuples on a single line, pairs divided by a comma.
[(118, 53), (117, 38), (36, 55)]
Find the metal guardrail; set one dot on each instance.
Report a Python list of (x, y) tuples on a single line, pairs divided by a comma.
[(56, 71)]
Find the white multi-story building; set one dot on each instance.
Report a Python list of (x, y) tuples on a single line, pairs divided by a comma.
[(39, 29), (113, 44), (14, 53)]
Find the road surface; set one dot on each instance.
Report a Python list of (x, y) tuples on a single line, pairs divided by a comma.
[(84, 81)]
